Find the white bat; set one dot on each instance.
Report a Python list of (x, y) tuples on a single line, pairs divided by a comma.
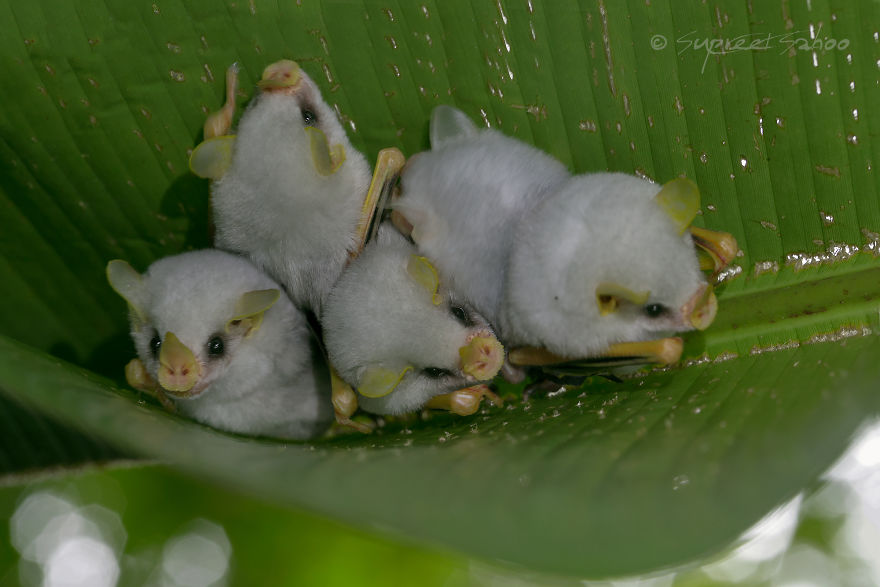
[(218, 339), (288, 187), (402, 340), (571, 265)]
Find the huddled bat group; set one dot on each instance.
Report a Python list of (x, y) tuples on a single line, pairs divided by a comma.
[(495, 260)]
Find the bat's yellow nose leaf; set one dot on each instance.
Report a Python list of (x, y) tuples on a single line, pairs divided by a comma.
[(704, 310), (178, 368), (281, 74), (482, 357)]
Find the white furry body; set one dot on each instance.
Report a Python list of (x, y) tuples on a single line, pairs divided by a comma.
[(464, 211), (274, 207), (527, 243), (378, 316), (265, 384)]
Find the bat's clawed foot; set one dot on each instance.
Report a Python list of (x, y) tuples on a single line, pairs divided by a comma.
[(343, 416), (345, 404), (464, 402), (717, 249), (136, 376), (219, 123), (663, 351), (361, 427), (213, 156)]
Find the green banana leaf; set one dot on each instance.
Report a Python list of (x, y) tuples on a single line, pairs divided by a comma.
[(767, 106)]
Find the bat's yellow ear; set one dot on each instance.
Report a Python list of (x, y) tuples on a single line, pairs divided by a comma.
[(610, 295), (250, 308), (326, 159), (128, 283), (379, 381), (420, 269), (211, 159), (680, 199)]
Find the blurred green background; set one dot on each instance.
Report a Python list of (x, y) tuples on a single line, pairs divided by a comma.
[(154, 527)]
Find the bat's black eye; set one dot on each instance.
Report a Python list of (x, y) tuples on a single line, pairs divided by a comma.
[(215, 347), (436, 372), (461, 315), (155, 344), (655, 310), (309, 117)]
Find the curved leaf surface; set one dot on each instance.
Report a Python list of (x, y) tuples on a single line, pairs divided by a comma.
[(617, 479)]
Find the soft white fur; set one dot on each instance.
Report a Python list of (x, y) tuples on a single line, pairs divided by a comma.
[(602, 227), (274, 207), (465, 199), (377, 315), (266, 384), (527, 243)]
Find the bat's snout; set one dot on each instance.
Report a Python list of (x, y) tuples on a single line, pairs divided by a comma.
[(482, 357), (700, 310), (279, 76), (178, 368)]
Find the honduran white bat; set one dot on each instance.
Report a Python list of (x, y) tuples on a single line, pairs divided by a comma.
[(401, 339), (288, 187), (571, 265), (218, 339)]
